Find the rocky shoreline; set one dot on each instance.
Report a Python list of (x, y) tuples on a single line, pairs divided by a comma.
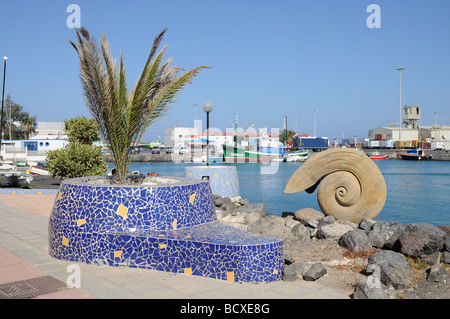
[(368, 260)]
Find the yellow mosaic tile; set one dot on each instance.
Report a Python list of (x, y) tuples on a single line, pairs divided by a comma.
[(275, 271), (81, 222), (122, 211), (162, 245), (118, 253), (188, 271), (192, 198), (65, 241), (174, 224), (230, 276), (59, 195)]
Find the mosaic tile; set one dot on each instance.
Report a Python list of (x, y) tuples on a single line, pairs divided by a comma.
[(170, 227), (223, 179)]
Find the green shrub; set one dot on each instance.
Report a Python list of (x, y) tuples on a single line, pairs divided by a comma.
[(81, 130), (76, 160)]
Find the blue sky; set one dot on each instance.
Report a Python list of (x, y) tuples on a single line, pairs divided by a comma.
[(270, 59)]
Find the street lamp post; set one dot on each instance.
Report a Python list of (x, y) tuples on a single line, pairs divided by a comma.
[(3, 101), (207, 107), (315, 130), (195, 111), (400, 107)]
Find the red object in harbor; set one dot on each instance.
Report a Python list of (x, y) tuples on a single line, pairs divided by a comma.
[(377, 156)]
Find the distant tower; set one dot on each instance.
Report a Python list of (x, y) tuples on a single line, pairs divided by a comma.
[(412, 116)]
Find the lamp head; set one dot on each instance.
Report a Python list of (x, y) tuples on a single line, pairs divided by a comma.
[(207, 107), (5, 58)]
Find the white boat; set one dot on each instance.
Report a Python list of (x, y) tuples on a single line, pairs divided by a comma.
[(201, 159), (36, 170), (299, 156), (7, 167), (295, 158)]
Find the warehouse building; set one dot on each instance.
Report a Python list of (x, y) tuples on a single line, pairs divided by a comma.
[(410, 133)]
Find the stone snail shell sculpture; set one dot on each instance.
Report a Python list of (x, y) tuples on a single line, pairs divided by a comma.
[(351, 185)]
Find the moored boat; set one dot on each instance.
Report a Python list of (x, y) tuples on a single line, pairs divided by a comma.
[(233, 154), (299, 156), (34, 170), (378, 156), (38, 169), (417, 154)]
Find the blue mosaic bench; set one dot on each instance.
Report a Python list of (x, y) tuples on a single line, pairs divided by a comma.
[(169, 226)]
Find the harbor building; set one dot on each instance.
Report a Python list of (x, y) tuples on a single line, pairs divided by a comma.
[(50, 130), (392, 133), (48, 136), (176, 137), (410, 134)]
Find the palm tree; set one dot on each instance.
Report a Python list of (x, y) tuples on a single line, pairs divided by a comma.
[(123, 115), (27, 126)]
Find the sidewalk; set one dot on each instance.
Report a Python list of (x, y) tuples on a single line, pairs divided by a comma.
[(27, 271)]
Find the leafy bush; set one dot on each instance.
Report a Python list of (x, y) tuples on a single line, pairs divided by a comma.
[(76, 160), (81, 130)]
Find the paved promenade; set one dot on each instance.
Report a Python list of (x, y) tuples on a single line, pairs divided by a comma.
[(27, 271)]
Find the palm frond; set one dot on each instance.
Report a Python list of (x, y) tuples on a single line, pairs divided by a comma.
[(122, 115)]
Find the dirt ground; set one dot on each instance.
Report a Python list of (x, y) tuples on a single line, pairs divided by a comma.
[(344, 273)]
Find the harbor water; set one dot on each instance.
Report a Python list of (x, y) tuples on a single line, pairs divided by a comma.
[(416, 191)]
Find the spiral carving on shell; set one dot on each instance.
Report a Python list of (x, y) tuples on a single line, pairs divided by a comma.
[(350, 184)]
